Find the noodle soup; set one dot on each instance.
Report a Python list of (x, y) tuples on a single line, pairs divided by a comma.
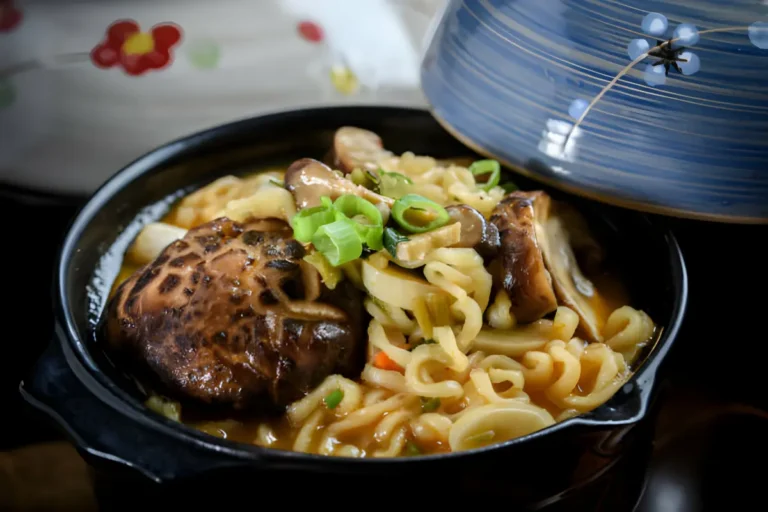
[(379, 306)]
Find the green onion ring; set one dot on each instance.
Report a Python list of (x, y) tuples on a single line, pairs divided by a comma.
[(306, 222), (339, 241), (350, 206), (492, 167), (417, 202)]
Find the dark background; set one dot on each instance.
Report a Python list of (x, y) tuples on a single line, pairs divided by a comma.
[(711, 446)]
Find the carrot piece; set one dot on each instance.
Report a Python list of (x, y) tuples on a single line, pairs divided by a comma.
[(382, 361)]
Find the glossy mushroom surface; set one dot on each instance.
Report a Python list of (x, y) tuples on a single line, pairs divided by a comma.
[(476, 232), (231, 315), (524, 274), (309, 180), (538, 264)]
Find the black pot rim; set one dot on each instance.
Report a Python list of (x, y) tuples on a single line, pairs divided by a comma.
[(109, 392)]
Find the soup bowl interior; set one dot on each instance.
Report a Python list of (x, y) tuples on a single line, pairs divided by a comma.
[(647, 255)]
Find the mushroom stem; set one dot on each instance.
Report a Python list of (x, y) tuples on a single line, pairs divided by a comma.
[(309, 180)]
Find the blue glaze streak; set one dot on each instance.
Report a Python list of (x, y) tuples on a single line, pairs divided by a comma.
[(758, 34), (513, 76)]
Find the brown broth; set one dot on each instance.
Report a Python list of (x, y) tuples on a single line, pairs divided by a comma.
[(284, 434), (611, 295)]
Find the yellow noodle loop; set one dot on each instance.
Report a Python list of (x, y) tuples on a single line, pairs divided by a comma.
[(459, 371)]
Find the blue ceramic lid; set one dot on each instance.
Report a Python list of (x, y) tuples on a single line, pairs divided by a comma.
[(653, 105)]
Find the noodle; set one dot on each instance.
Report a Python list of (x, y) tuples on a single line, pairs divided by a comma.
[(463, 372)]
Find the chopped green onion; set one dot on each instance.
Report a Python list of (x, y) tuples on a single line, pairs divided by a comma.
[(277, 182), (164, 406), (334, 398), (509, 187), (482, 167), (306, 222), (390, 239), (430, 404), (393, 184), (362, 178), (374, 178), (330, 275), (339, 241), (352, 207), (426, 341), (372, 237), (411, 449), (484, 437), (397, 176), (415, 202)]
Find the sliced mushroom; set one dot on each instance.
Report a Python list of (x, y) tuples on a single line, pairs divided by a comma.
[(354, 147), (589, 253), (309, 180), (537, 260), (572, 287), (524, 275), (476, 232)]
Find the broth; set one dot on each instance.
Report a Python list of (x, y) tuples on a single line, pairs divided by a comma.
[(384, 420)]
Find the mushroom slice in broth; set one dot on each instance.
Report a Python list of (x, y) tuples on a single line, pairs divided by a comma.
[(523, 273), (538, 266), (476, 232), (571, 286)]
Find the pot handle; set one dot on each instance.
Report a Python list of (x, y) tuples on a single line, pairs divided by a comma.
[(629, 405), (102, 432)]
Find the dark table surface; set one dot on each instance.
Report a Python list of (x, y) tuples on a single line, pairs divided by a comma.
[(711, 446)]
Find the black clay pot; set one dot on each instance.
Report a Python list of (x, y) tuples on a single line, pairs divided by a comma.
[(582, 460)]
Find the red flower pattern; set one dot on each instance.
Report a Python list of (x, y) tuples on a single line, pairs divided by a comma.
[(311, 31), (10, 16), (137, 52)]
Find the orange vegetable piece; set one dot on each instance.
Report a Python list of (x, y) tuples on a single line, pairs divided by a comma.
[(381, 360)]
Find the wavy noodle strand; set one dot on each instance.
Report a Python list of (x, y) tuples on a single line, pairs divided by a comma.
[(449, 380)]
